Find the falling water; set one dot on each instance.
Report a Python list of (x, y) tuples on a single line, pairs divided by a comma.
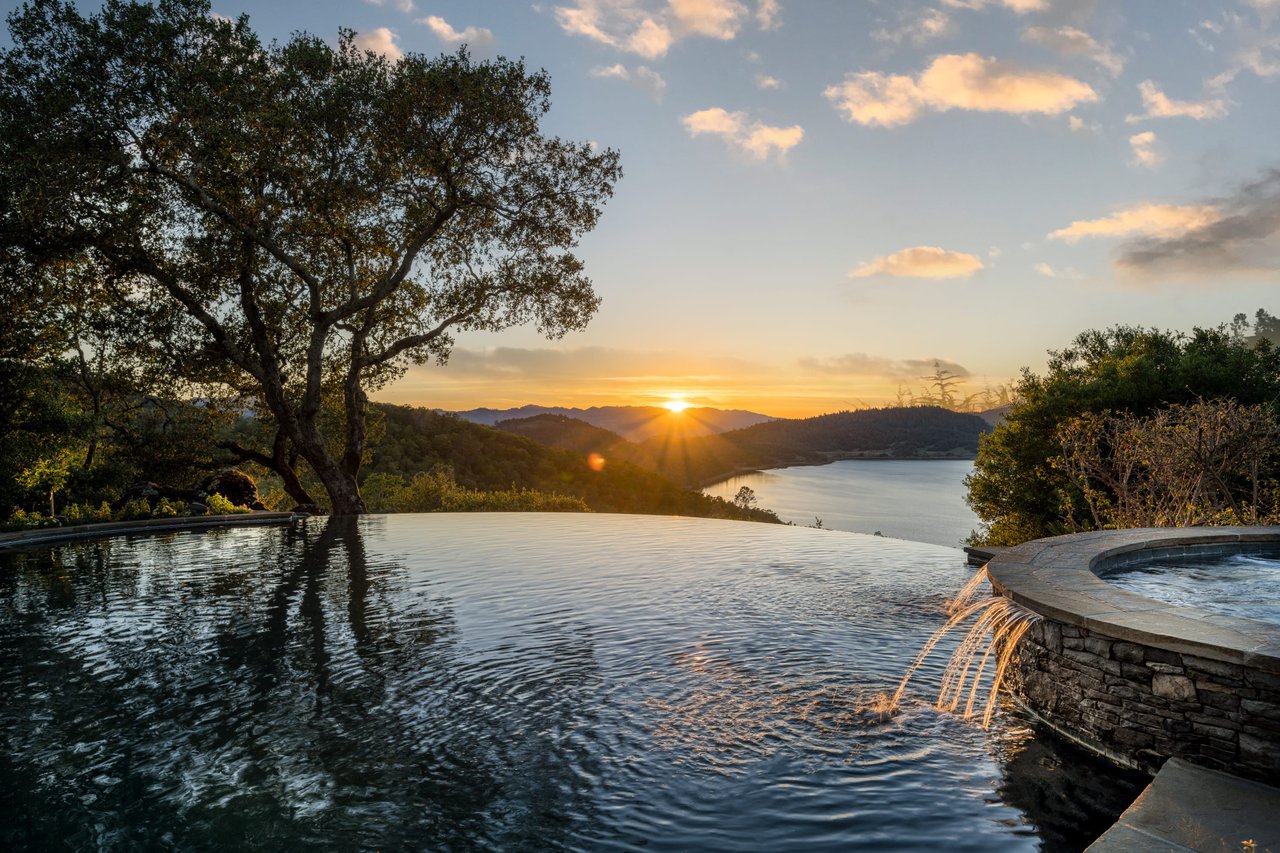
[(999, 625)]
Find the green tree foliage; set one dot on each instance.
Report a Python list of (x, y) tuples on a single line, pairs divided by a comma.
[(1016, 489), (301, 220)]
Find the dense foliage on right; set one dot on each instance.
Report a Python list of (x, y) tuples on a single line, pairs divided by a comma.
[(1134, 427)]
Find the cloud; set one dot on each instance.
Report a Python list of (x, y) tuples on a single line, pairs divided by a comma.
[(1049, 272), (381, 40), (1145, 152), (1243, 237), (584, 20), (1069, 41), (768, 15), (863, 364), (1021, 7), (645, 79), (1160, 105), (956, 82), (649, 28), (405, 6), (718, 19), (1079, 125), (1162, 221), (921, 262), (753, 138), (927, 25), (650, 39), (473, 36), (764, 81)]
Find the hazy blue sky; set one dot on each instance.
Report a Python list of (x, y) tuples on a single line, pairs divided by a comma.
[(822, 197)]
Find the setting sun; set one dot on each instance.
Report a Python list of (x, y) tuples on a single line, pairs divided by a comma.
[(676, 406)]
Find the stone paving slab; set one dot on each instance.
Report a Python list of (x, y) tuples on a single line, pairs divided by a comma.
[(1192, 808)]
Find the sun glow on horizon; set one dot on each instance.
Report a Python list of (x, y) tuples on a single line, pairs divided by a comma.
[(677, 405)]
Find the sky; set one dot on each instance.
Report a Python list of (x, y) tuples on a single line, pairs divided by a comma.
[(822, 198)]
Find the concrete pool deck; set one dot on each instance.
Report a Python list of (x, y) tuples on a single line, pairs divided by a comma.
[(1191, 808)]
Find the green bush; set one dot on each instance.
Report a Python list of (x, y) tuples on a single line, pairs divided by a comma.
[(218, 505), (23, 520), (136, 510)]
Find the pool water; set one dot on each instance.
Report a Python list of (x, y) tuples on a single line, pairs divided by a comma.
[(507, 682), (1246, 585)]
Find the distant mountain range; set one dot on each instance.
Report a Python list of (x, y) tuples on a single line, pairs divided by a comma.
[(919, 432), (634, 423)]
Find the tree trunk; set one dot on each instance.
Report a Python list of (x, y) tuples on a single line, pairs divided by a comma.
[(288, 474), (339, 484), (344, 494)]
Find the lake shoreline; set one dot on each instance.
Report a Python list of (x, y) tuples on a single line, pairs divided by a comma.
[(916, 499), (856, 455)]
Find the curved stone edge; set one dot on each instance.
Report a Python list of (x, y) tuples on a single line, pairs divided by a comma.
[(1137, 679), (1058, 578), (55, 535)]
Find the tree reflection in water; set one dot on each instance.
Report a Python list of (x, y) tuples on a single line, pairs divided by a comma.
[(183, 693)]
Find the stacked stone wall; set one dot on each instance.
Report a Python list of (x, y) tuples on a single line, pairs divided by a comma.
[(1142, 704)]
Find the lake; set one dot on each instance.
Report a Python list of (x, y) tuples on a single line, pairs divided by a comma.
[(917, 499)]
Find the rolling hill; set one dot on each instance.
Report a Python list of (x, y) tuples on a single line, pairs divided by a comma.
[(634, 423), (480, 457)]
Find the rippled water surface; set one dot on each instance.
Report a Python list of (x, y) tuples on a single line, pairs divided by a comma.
[(1245, 585), (509, 682)]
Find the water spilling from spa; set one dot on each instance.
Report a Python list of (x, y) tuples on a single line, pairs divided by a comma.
[(499, 682)]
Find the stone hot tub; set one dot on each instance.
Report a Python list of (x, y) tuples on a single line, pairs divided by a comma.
[(1142, 680)]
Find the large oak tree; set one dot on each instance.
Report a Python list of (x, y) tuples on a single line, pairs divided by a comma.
[(304, 220)]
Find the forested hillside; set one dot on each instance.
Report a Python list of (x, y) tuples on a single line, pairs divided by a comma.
[(564, 432), (479, 457), (909, 432)]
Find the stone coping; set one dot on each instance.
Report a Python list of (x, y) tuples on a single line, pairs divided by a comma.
[(1059, 579), (1196, 809), (54, 535)]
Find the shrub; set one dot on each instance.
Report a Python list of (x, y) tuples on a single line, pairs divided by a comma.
[(218, 505), (23, 520), (136, 510)]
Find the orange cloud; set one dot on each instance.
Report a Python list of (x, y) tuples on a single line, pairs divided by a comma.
[(1163, 221), (381, 40), (1160, 105), (1145, 152), (956, 82), (756, 139), (921, 262)]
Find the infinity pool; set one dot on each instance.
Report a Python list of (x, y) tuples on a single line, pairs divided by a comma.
[(506, 682)]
